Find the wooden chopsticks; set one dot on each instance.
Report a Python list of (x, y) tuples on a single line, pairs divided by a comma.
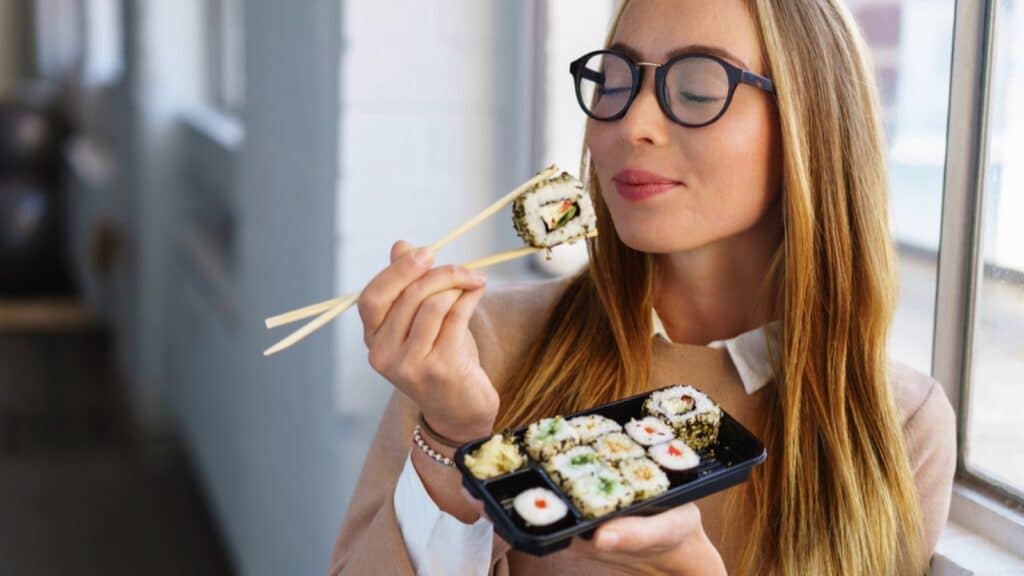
[(330, 309)]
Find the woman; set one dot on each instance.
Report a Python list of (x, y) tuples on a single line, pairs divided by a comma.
[(744, 248)]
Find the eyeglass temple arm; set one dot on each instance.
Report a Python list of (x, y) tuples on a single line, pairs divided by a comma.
[(757, 81)]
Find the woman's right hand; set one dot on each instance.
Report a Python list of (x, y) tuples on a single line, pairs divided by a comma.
[(416, 328)]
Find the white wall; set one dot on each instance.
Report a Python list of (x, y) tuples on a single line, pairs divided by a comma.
[(278, 442)]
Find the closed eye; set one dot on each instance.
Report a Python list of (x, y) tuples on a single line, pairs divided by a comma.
[(692, 97), (613, 91)]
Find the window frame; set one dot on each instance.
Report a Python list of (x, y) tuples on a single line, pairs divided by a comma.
[(990, 502)]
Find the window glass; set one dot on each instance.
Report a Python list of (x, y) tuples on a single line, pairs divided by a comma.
[(995, 437), (911, 43)]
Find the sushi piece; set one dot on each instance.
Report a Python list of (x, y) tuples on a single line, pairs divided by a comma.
[(693, 415), (553, 211), (601, 493), (649, 431), (678, 459), (549, 436), (592, 426), (575, 463), (616, 447), (644, 477), (497, 456), (539, 507)]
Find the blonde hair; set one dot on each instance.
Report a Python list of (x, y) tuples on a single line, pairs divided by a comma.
[(836, 495)]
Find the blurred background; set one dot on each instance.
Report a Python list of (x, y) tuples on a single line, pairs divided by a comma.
[(174, 171)]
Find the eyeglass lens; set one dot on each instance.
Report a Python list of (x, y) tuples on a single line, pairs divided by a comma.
[(696, 88)]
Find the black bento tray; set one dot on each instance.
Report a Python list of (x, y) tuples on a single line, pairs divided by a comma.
[(724, 464)]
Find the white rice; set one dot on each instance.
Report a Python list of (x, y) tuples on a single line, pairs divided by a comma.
[(601, 493), (593, 426), (649, 431), (549, 436), (675, 456), (615, 447), (530, 208), (539, 507), (575, 463), (644, 476)]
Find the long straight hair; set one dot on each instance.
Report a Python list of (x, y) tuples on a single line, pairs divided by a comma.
[(836, 495)]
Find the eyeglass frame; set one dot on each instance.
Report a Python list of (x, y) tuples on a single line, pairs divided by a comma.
[(735, 74)]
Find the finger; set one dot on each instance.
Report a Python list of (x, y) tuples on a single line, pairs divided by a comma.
[(456, 325), (635, 534), (379, 295), (396, 328), (427, 323), (398, 249)]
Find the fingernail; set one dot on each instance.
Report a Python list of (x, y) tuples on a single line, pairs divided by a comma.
[(477, 277), (609, 539), (422, 255)]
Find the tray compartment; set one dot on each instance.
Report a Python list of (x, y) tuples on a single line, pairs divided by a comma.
[(502, 491)]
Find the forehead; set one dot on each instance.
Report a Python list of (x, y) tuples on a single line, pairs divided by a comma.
[(654, 28)]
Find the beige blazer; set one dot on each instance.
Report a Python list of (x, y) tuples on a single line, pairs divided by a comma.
[(506, 321)]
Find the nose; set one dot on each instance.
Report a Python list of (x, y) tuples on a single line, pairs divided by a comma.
[(644, 122)]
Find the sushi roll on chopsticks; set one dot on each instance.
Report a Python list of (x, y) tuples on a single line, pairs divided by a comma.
[(690, 412), (553, 211)]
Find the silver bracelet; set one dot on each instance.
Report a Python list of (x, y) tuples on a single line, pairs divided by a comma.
[(434, 455)]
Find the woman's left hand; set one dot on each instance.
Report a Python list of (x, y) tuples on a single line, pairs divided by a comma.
[(672, 542)]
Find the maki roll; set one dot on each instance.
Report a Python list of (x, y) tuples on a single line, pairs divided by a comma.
[(497, 456), (576, 463), (549, 436), (553, 211), (644, 477), (593, 426), (676, 457), (539, 507), (601, 493), (649, 431), (616, 447), (690, 412)]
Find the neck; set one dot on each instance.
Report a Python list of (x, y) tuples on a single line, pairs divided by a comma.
[(715, 292)]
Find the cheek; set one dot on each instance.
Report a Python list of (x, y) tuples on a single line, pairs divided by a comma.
[(737, 172)]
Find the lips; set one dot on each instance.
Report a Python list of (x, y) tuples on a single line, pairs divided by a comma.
[(636, 185)]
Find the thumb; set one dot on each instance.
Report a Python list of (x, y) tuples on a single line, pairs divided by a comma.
[(649, 533)]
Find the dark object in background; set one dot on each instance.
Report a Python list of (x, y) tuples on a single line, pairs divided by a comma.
[(29, 238), (32, 138)]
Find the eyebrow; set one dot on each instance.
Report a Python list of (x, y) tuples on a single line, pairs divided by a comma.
[(689, 49)]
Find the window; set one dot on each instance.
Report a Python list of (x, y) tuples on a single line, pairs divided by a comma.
[(994, 396), (911, 42), (102, 62), (225, 52)]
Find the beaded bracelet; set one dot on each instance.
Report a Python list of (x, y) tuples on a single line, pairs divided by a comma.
[(434, 435), (434, 455)]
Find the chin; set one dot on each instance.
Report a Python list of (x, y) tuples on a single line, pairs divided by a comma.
[(654, 240)]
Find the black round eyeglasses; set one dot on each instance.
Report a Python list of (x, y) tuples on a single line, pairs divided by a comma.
[(693, 89)]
